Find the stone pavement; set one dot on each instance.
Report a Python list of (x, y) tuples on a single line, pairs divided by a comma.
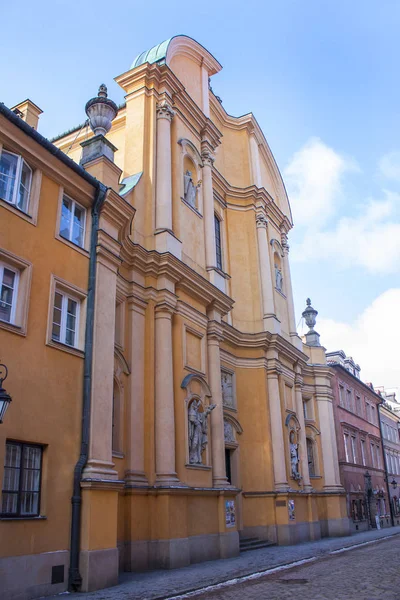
[(366, 573), (155, 585)]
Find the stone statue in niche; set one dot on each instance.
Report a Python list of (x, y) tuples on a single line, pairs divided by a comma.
[(229, 436), (294, 456), (189, 189), (278, 278), (227, 389), (198, 429)]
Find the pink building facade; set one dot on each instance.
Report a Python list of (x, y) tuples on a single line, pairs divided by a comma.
[(359, 443)]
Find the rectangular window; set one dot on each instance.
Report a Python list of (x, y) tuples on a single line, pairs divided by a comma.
[(65, 319), (378, 456), (8, 292), (373, 455), (22, 480), (349, 404), (218, 247), (363, 452), (346, 446), (353, 448), (373, 414), (358, 405), (368, 411), (15, 180), (73, 219), (341, 395)]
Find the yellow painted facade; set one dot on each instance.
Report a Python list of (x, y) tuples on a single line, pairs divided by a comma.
[(194, 308)]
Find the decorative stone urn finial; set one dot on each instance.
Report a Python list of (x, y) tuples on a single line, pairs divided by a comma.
[(101, 112), (309, 315)]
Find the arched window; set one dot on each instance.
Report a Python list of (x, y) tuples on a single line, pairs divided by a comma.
[(310, 457), (15, 180), (218, 245)]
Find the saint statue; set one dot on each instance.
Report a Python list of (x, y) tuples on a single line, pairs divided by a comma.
[(294, 456), (198, 429), (189, 189), (227, 389), (278, 278)]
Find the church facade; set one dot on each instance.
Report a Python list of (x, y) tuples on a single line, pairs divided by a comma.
[(210, 420)]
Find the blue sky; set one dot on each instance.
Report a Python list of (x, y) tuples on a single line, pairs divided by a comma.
[(321, 79)]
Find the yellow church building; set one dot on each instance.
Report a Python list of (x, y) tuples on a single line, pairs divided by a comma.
[(207, 422)]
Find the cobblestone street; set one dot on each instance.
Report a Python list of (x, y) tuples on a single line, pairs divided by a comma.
[(365, 573), (368, 573)]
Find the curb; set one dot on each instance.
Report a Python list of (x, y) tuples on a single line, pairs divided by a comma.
[(190, 592)]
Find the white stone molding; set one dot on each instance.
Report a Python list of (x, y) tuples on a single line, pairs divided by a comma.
[(164, 110)]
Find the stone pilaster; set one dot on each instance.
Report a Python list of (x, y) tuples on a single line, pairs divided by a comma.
[(164, 392), (214, 337), (135, 475), (165, 238), (100, 464), (270, 320), (288, 282), (298, 384), (275, 411), (328, 439), (208, 203), (255, 160)]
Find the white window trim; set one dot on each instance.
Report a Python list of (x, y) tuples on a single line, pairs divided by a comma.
[(354, 449), (3, 266), (20, 163), (64, 311), (78, 295), (74, 203), (363, 452), (18, 324), (346, 446)]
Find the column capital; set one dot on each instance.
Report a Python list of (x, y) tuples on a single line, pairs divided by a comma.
[(166, 304), (261, 220), (274, 367), (298, 381), (208, 158), (164, 110), (214, 332), (284, 242), (137, 304)]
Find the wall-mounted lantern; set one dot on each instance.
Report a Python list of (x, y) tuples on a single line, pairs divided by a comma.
[(5, 398)]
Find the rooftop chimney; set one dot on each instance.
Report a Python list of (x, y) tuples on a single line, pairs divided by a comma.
[(29, 112)]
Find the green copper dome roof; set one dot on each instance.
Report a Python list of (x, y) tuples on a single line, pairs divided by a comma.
[(153, 55)]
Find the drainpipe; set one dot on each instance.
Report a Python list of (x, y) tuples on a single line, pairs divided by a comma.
[(385, 466), (74, 576)]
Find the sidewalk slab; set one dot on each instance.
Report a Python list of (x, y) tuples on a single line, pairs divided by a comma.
[(153, 585)]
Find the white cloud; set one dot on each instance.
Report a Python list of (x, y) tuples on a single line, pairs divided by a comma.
[(372, 340), (313, 179), (370, 239), (389, 165)]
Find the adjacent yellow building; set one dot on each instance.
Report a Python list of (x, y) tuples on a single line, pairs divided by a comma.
[(208, 419)]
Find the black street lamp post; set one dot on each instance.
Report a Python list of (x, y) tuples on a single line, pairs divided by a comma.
[(368, 492), (5, 398)]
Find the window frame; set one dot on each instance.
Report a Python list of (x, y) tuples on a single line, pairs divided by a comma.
[(218, 245), (17, 273), (363, 457), (74, 203), (353, 442), (346, 446), (64, 312), (20, 163), (18, 514)]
